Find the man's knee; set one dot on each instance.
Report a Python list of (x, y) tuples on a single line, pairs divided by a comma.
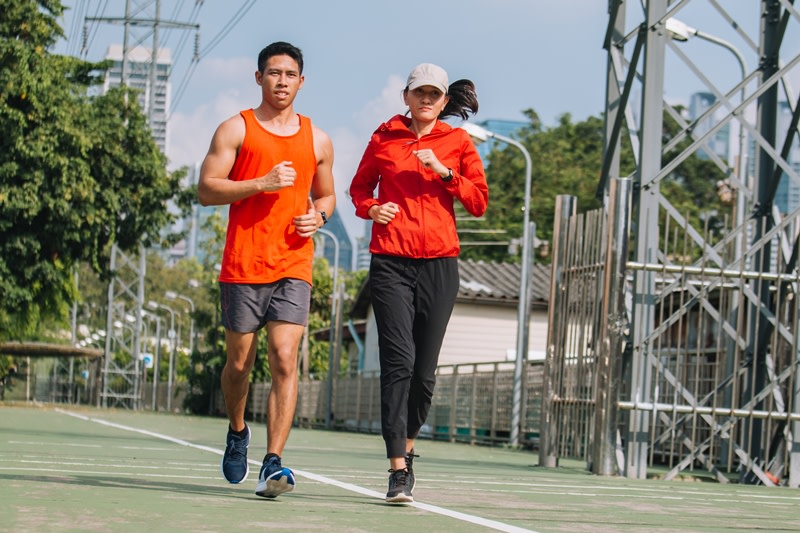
[(237, 367), (283, 363)]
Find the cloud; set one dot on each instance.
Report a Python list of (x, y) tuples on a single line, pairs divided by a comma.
[(217, 92), (349, 144)]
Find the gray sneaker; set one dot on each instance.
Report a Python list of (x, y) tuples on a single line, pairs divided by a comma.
[(399, 487)]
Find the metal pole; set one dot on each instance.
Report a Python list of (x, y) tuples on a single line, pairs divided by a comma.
[(74, 331), (647, 238), (565, 209), (481, 134), (612, 328), (523, 308), (172, 337), (103, 396), (332, 337), (157, 362)]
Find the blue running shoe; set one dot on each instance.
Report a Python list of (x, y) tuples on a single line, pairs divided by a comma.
[(274, 479), (234, 462)]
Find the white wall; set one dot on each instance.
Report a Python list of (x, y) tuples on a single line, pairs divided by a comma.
[(476, 334)]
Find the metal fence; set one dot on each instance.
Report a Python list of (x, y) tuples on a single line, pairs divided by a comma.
[(712, 385), (471, 403)]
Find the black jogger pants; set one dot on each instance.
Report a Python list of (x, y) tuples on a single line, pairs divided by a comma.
[(412, 300)]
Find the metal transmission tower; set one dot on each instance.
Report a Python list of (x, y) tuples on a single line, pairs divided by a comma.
[(122, 378), (142, 21), (122, 368), (713, 312)]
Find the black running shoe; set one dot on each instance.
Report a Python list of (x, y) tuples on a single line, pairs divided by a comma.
[(399, 487), (234, 461)]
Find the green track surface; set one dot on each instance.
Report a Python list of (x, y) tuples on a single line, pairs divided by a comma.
[(77, 469)]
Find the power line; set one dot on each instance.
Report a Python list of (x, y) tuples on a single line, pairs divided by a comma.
[(239, 15), (216, 40)]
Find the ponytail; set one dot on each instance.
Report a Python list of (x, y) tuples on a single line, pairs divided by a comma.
[(463, 100)]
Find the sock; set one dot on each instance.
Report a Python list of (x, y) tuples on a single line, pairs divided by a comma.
[(266, 457), (241, 434)]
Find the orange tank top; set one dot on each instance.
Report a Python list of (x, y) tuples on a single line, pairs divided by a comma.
[(261, 245)]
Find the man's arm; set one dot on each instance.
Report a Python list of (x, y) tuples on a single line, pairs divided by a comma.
[(322, 188), (214, 187), (323, 194)]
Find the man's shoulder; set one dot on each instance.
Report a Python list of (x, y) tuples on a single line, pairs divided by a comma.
[(320, 136), (234, 123)]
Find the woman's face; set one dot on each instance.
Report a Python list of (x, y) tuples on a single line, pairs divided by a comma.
[(425, 103)]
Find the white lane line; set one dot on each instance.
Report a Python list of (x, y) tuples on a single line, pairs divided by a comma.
[(477, 520)]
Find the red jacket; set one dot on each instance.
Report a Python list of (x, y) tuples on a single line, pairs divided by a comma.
[(425, 226)]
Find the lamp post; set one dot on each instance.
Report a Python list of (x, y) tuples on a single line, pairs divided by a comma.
[(172, 337), (681, 32), (332, 338), (480, 134), (157, 359), (172, 295)]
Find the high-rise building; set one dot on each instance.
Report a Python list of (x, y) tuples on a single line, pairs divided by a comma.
[(327, 248), (154, 88), (787, 196), (719, 143), (362, 247)]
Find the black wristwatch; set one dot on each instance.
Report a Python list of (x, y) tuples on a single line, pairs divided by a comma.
[(449, 175), (324, 217)]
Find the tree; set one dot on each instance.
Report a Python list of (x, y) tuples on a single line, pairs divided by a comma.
[(565, 159), (77, 173)]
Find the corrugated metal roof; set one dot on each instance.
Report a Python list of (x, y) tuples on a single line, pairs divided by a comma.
[(482, 282)]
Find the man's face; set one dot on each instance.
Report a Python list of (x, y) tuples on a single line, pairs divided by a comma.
[(280, 81)]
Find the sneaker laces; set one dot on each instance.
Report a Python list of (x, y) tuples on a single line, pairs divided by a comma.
[(398, 477), (237, 447), (410, 459)]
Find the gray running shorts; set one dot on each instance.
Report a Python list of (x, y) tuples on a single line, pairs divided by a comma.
[(247, 307)]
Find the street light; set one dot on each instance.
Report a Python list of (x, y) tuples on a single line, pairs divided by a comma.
[(479, 135), (682, 32), (172, 295), (157, 361), (334, 321), (171, 334)]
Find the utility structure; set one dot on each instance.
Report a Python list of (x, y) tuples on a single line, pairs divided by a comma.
[(149, 75), (705, 375), (142, 20)]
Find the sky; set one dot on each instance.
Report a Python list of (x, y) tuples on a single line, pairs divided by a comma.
[(545, 55)]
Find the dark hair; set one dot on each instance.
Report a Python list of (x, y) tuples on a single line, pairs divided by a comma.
[(463, 100), (280, 48)]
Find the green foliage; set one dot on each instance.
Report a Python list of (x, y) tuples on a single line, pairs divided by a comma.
[(77, 173), (565, 159)]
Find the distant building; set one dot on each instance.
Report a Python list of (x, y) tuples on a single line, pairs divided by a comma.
[(787, 196), (327, 248), (362, 247), (719, 143), (139, 77)]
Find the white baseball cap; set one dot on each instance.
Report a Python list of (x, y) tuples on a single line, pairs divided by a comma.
[(428, 74)]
